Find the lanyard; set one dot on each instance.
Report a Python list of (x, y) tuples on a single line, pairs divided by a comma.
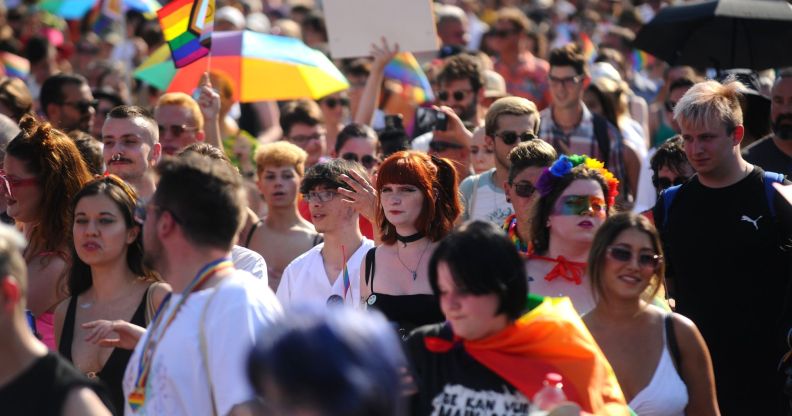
[(138, 395)]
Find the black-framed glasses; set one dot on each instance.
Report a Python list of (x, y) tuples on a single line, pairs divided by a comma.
[(301, 140), (83, 106), (524, 189), (368, 161), (664, 183), (176, 130), (625, 255), (141, 212), (502, 33), (320, 196), (458, 95), (669, 105), (566, 81), (510, 137), (440, 147), (335, 102)]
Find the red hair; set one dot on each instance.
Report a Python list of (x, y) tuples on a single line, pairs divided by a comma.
[(436, 178)]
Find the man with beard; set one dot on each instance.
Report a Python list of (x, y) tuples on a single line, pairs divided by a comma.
[(192, 357), (774, 152), (68, 103), (131, 147)]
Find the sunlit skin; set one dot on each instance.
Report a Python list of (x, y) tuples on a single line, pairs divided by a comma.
[(472, 317), (311, 139), (402, 204), (711, 150), (522, 205), (175, 115), (566, 95), (508, 122), (129, 147), (25, 200), (482, 156)]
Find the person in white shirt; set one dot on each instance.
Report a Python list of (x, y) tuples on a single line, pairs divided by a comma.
[(192, 358), (329, 273)]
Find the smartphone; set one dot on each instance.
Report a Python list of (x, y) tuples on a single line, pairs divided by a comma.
[(394, 122), (441, 121)]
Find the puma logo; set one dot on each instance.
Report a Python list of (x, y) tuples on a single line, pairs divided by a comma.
[(754, 222)]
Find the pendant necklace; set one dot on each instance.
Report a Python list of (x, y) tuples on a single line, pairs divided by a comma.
[(417, 266)]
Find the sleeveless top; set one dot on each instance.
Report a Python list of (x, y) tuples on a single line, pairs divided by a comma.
[(45, 322), (406, 312), (318, 238), (112, 374), (666, 394)]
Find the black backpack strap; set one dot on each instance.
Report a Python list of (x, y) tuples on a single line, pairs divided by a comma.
[(601, 135), (672, 341), (370, 256)]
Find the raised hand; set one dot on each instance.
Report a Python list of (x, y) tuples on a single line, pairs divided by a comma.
[(383, 54), (208, 99), (362, 197)]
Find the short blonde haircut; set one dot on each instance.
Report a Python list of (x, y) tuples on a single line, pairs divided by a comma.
[(281, 153), (513, 106), (183, 100), (711, 101)]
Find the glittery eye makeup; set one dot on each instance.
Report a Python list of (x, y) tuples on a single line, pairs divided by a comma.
[(580, 205)]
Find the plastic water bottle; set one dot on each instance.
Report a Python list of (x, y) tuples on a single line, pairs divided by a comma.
[(550, 395)]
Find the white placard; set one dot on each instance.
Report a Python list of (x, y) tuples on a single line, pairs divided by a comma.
[(353, 25)]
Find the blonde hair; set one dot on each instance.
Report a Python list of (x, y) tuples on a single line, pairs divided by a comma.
[(183, 100), (281, 153), (513, 106), (711, 101)]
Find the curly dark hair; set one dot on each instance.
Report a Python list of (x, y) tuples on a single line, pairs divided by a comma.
[(461, 67)]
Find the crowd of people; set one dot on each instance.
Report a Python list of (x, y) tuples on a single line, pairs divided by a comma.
[(566, 228)]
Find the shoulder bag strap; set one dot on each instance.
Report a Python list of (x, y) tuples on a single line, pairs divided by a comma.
[(676, 354), (370, 267), (602, 137), (204, 350)]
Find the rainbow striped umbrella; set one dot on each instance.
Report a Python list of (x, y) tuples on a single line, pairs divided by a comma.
[(262, 67), (76, 9)]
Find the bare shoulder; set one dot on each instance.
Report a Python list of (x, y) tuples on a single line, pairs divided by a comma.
[(158, 292), (83, 401), (687, 333)]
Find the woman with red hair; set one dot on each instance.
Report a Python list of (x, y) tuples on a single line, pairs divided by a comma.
[(417, 205)]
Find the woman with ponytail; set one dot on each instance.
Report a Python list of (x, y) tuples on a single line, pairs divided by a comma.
[(417, 205), (42, 172)]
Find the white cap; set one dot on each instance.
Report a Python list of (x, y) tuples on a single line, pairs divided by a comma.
[(494, 84), (258, 22), (231, 15), (605, 70)]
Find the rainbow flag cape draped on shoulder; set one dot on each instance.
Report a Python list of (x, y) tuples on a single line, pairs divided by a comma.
[(550, 338), (405, 69), (187, 27)]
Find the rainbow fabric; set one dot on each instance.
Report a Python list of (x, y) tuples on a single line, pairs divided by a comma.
[(14, 65), (346, 273), (187, 27), (587, 46), (640, 60), (551, 338), (405, 69)]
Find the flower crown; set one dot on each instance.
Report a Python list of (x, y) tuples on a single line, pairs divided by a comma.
[(563, 166)]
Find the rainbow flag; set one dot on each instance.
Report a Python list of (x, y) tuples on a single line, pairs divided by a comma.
[(187, 27), (587, 47), (640, 60), (14, 65), (346, 272), (405, 69)]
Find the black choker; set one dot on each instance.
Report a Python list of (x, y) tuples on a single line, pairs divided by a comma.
[(410, 238)]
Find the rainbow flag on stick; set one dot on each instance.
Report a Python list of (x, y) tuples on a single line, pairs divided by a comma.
[(405, 69), (587, 47), (187, 27), (14, 65)]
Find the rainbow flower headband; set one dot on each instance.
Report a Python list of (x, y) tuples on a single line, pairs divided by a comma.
[(563, 166)]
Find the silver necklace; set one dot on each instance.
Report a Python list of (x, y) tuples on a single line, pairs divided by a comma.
[(413, 272)]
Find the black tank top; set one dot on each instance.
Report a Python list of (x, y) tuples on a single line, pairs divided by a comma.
[(112, 374), (42, 389), (407, 312)]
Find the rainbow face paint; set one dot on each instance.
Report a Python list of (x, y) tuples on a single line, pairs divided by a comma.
[(580, 205)]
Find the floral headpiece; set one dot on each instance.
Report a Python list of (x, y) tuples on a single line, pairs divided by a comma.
[(563, 166)]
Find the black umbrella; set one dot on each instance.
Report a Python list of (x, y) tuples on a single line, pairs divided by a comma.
[(722, 34)]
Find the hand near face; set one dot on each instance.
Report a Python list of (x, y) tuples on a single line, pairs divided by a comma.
[(208, 99), (363, 197)]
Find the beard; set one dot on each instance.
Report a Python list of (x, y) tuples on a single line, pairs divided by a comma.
[(154, 255), (782, 126)]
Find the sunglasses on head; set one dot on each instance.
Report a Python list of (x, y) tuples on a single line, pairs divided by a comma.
[(367, 161), (175, 129), (510, 137), (440, 147), (669, 105), (625, 255), (458, 95), (524, 189), (664, 183), (334, 102), (82, 106)]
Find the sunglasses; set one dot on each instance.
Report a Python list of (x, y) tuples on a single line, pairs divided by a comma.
[(510, 137), (580, 205), (8, 183), (566, 82), (645, 260), (440, 147), (664, 183), (367, 161), (334, 102), (82, 106), (458, 95), (669, 106), (320, 196), (501, 33), (524, 189), (175, 129)]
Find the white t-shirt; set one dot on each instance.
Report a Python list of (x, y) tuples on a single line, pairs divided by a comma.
[(483, 200), (178, 382), (249, 261), (304, 280)]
